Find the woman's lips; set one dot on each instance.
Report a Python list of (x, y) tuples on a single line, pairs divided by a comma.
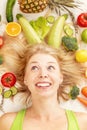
[(43, 84)]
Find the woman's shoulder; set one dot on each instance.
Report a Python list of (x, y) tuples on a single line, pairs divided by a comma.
[(81, 115), (6, 120), (82, 119)]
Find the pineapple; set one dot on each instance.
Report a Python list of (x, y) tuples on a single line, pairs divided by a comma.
[(32, 6)]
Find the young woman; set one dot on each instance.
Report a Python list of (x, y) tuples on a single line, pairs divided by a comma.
[(45, 74)]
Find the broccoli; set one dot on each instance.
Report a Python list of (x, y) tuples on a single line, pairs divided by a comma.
[(74, 92), (70, 43)]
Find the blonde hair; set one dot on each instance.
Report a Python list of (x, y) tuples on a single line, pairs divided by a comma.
[(16, 53)]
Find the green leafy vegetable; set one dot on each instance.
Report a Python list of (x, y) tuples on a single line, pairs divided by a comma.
[(41, 26)]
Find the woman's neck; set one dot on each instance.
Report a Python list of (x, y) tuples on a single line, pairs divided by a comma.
[(45, 109)]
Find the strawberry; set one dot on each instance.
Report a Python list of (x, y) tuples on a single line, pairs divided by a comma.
[(8, 79)]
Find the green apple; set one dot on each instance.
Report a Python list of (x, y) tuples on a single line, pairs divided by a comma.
[(84, 35)]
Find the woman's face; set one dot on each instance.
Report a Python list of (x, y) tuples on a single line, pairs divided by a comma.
[(43, 75)]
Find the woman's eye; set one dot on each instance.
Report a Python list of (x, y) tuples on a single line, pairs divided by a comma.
[(34, 68), (51, 67)]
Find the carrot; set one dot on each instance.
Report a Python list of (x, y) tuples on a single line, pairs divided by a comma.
[(82, 100), (84, 91)]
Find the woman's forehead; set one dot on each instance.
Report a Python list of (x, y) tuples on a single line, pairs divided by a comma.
[(42, 57)]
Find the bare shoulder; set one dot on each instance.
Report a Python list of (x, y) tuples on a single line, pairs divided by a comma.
[(81, 115), (82, 120), (6, 120)]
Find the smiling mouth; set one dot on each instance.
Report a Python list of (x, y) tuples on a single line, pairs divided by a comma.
[(43, 85)]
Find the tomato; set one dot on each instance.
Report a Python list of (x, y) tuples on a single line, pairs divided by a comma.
[(1, 41), (84, 91), (8, 79), (82, 20)]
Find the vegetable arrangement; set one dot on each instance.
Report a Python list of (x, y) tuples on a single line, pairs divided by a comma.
[(74, 94), (8, 80)]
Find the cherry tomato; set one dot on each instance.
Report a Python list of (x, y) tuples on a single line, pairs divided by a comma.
[(8, 79), (84, 91), (1, 41), (82, 20)]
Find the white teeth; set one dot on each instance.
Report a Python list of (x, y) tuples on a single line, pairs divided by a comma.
[(43, 85)]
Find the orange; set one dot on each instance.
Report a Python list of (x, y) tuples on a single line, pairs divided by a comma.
[(13, 28)]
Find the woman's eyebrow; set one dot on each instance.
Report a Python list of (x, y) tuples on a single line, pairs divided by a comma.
[(33, 62)]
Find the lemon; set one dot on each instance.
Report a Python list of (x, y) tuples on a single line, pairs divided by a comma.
[(81, 56)]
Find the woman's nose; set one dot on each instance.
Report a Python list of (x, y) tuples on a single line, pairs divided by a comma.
[(43, 73)]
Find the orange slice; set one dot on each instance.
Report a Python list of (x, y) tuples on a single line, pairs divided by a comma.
[(13, 28)]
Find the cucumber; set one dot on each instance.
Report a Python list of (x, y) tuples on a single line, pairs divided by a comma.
[(68, 30), (29, 32), (9, 10), (50, 19), (66, 26), (14, 90), (55, 33), (7, 94)]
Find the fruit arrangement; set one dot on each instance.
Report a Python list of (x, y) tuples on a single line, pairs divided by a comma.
[(57, 31)]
